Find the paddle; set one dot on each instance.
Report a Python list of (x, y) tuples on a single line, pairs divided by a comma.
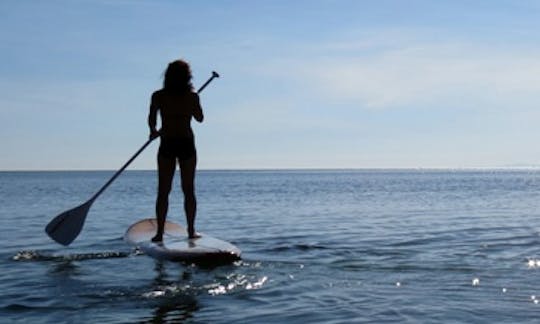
[(65, 227)]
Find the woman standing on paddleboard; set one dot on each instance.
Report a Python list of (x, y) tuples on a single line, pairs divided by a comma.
[(177, 103)]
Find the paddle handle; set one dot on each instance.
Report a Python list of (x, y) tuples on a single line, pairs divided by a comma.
[(122, 169), (214, 75)]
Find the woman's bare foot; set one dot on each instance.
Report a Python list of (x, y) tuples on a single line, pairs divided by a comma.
[(157, 238), (194, 235)]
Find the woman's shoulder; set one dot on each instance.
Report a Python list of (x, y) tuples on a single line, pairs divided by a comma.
[(162, 92), (157, 93), (194, 97), (163, 98)]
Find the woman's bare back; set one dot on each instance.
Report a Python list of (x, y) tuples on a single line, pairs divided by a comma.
[(176, 111)]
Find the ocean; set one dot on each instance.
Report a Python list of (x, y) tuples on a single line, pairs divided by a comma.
[(319, 246)]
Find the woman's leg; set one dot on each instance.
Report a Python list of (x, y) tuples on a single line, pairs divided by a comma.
[(165, 176), (187, 174)]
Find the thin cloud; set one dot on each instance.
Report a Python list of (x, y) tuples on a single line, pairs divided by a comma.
[(425, 75)]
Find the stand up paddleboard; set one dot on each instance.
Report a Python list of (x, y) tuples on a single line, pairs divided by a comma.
[(176, 246)]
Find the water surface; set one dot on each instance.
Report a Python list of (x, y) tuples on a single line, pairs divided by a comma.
[(318, 246)]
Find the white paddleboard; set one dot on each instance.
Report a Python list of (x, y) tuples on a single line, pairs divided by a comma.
[(176, 246)]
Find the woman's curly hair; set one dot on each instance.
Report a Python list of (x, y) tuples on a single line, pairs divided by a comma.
[(177, 77)]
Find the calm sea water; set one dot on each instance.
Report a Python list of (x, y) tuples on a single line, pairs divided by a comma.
[(318, 246)]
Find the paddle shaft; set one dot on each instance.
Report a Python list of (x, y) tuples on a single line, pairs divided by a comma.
[(100, 191)]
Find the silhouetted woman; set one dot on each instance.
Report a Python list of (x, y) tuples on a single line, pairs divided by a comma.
[(177, 103)]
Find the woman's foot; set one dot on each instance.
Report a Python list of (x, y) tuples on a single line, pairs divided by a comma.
[(158, 238), (194, 235)]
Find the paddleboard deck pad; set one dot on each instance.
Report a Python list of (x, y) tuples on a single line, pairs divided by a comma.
[(176, 246)]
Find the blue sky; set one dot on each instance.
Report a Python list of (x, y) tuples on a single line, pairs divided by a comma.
[(305, 84)]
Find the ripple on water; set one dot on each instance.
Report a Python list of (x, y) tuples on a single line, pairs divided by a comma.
[(33, 255)]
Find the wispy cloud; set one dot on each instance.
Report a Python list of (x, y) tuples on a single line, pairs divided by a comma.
[(422, 74)]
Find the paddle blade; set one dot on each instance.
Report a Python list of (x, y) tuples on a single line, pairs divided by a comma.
[(65, 227)]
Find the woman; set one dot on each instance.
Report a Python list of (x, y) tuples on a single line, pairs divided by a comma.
[(177, 103)]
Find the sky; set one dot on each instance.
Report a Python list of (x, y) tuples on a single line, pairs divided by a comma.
[(304, 84)]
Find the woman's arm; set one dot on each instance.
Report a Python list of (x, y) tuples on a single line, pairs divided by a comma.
[(197, 109), (152, 117)]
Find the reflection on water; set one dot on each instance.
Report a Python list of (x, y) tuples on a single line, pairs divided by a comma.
[(176, 288), (174, 301), (174, 310)]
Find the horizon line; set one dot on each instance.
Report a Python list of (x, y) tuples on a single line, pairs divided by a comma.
[(508, 168)]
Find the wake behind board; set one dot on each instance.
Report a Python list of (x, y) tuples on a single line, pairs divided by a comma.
[(176, 245)]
